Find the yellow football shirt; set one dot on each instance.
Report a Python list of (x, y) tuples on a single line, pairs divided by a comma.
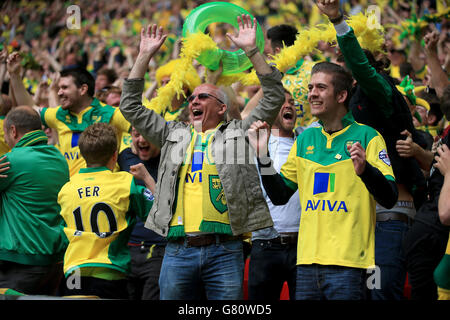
[(338, 212), (99, 207), (70, 126)]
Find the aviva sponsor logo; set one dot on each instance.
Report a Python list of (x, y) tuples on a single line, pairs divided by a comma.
[(323, 205), (324, 182), (71, 155)]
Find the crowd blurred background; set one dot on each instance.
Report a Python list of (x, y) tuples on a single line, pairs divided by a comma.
[(103, 37)]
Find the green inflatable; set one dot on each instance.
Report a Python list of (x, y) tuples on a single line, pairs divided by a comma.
[(202, 16)]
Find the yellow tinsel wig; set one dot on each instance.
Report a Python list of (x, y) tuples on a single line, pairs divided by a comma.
[(191, 78), (369, 32), (370, 35)]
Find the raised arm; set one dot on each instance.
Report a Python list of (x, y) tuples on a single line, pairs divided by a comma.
[(371, 82), (3, 57), (443, 164), (53, 98), (414, 56), (383, 190), (152, 39), (151, 125), (140, 172), (269, 77), (408, 148), (14, 69), (246, 40), (274, 185), (439, 79)]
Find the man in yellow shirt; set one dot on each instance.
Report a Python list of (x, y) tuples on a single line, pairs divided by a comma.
[(340, 169), (78, 109)]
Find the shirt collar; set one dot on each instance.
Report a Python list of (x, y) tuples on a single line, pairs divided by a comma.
[(346, 120), (32, 138), (93, 169)]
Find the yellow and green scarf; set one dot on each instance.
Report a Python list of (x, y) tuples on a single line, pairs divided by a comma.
[(199, 168)]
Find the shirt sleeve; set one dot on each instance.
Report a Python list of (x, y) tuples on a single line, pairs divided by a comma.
[(48, 117), (119, 122), (377, 156), (378, 176), (371, 82), (273, 98), (141, 200), (289, 171), (278, 187)]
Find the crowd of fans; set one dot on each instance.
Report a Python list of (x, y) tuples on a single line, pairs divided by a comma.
[(40, 42)]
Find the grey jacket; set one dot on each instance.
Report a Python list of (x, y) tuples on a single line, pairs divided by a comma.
[(232, 155)]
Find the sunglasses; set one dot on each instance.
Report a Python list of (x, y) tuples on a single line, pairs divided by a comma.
[(203, 96)]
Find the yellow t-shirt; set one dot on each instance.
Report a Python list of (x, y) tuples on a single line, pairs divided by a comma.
[(193, 190), (338, 212)]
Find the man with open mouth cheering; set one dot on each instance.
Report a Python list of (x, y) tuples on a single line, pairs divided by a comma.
[(208, 192)]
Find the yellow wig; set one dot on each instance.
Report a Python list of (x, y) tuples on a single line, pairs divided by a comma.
[(191, 79)]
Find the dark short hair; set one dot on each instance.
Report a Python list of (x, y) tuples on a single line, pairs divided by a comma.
[(280, 34), (341, 79), (98, 143), (406, 69), (81, 76), (6, 105), (24, 118), (109, 73), (435, 109)]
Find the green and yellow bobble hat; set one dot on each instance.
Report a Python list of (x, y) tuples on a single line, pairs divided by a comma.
[(406, 87)]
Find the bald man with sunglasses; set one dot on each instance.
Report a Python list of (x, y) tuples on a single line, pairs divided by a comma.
[(208, 193)]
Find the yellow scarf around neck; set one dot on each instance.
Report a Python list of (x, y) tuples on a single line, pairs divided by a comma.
[(203, 200)]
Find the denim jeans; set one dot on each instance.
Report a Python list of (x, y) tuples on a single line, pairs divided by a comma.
[(214, 272), (328, 282), (390, 258)]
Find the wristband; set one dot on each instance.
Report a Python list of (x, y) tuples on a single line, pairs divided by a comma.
[(264, 162), (252, 52), (338, 19)]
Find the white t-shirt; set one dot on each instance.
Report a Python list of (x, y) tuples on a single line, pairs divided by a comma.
[(286, 218)]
